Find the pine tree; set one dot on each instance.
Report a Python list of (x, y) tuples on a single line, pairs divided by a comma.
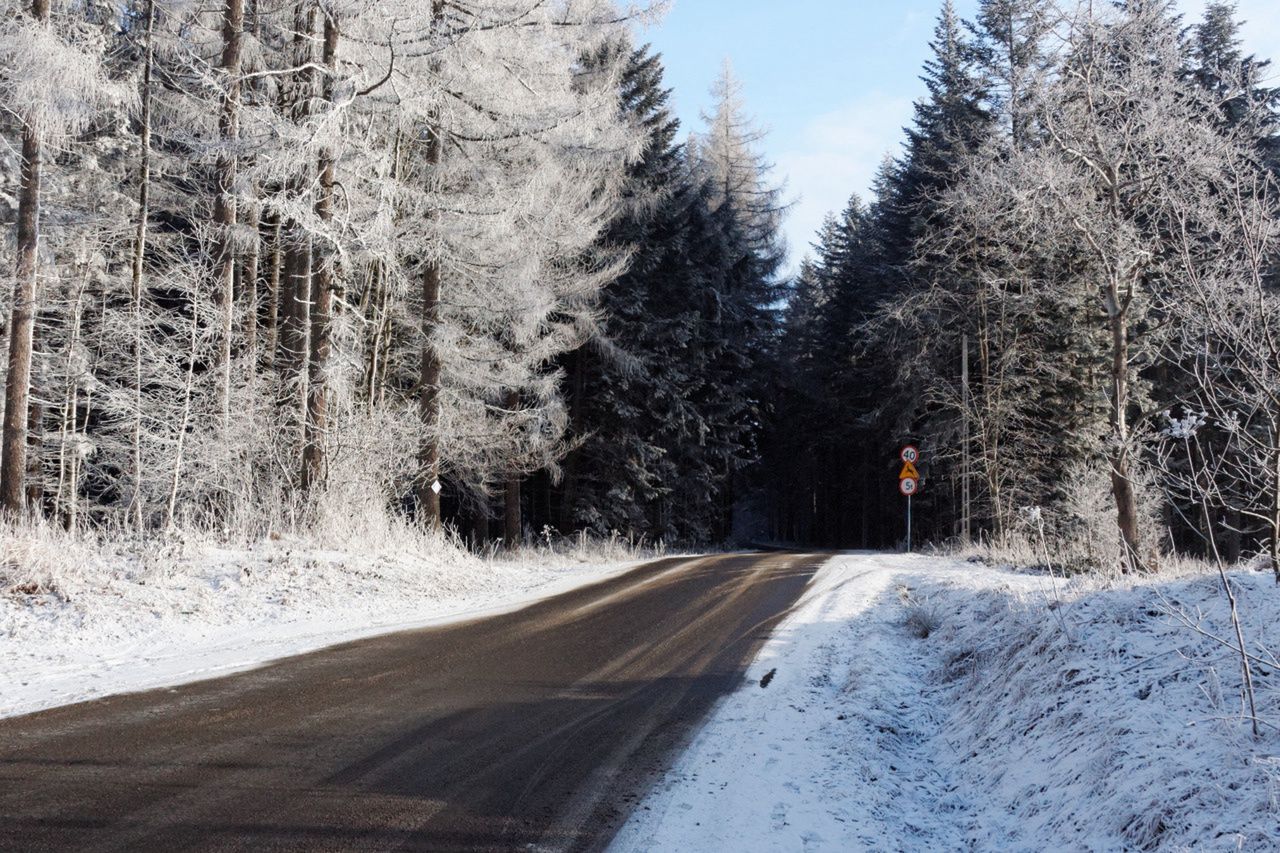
[(950, 123), (817, 442)]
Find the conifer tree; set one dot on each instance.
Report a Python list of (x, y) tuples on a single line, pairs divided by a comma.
[(622, 385)]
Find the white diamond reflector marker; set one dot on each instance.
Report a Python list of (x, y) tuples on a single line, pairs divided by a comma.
[(436, 487)]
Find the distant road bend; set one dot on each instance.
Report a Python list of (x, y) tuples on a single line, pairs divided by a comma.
[(535, 730)]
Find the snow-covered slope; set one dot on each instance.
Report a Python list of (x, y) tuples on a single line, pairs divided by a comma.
[(106, 619), (1034, 715)]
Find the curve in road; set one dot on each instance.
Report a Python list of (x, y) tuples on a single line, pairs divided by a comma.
[(536, 730)]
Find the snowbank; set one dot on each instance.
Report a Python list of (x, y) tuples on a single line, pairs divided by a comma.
[(81, 619), (921, 703)]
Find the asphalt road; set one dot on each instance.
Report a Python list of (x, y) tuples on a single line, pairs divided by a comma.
[(535, 730)]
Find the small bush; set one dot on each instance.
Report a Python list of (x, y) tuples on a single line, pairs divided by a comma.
[(922, 618)]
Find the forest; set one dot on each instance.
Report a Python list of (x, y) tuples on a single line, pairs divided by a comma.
[(1064, 291), (281, 265)]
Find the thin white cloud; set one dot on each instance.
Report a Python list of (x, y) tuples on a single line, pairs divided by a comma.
[(835, 155)]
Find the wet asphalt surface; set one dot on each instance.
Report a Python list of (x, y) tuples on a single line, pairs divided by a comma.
[(535, 730)]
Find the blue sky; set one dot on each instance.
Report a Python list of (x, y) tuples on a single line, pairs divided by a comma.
[(832, 81)]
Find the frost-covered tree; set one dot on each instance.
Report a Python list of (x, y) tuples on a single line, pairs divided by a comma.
[(664, 426), (294, 178), (503, 196), (741, 299), (53, 84), (1129, 151)]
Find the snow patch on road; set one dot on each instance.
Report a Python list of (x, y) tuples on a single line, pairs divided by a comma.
[(120, 619), (925, 703)]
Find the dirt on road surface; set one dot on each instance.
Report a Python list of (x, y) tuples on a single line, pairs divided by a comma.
[(535, 730)]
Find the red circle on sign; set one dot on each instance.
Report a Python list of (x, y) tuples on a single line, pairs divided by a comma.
[(910, 454), (908, 486)]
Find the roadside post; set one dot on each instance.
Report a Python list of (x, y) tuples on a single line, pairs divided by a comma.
[(909, 481)]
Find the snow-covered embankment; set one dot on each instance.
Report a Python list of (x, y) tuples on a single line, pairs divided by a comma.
[(920, 703), (93, 618)]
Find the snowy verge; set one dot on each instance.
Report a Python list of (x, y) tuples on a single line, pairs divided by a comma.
[(922, 703), (116, 618)]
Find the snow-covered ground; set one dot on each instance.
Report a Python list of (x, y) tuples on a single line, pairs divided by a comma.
[(922, 703), (88, 619)]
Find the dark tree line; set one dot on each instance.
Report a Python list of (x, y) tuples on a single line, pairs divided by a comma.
[(667, 402)]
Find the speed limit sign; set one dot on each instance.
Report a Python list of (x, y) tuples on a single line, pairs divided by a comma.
[(909, 481)]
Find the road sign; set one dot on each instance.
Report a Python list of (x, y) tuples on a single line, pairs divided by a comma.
[(436, 487), (909, 481)]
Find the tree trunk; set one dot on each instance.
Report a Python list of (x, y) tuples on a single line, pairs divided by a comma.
[(135, 509), (271, 341), (512, 533), (295, 323), (373, 310), (512, 530), (184, 422), (429, 375), (1121, 472), (224, 207), (13, 441), (250, 275), (429, 392), (569, 491), (313, 451), (295, 296), (480, 526), (65, 503)]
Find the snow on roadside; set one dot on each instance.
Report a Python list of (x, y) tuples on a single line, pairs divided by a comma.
[(1036, 714), (126, 619)]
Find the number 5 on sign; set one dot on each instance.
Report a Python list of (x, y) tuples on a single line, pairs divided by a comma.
[(909, 486)]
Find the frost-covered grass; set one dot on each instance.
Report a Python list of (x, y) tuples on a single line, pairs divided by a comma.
[(1128, 725), (933, 703), (86, 615)]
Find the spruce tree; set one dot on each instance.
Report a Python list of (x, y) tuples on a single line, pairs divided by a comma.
[(621, 385), (1219, 65)]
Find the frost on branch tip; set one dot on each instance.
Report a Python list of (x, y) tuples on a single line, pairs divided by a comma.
[(53, 85), (1185, 428)]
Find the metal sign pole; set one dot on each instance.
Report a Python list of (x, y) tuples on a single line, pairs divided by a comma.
[(908, 524)]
